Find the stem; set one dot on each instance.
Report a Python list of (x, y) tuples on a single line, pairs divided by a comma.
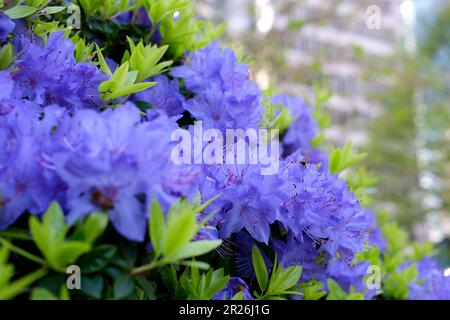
[(147, 267), (15, 235), (22, 252)]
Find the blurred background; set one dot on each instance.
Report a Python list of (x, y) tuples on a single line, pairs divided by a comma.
[(386, 65)]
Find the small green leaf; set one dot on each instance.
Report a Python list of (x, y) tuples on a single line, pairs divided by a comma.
[(157, 227), (205, 205), (335, 291), (68, 252), (195, 264), (180, 231), (52, 9), (16, 287), (197, 248), (91, 228), (20, 11), (6, 57), (260, 268), (214, 287), (149, 287), (103, 65)]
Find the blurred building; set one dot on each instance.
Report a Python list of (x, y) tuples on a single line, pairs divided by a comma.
[(338, 39)]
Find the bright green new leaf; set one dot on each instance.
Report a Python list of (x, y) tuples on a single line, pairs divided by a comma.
[(10, 289), (145, 60), (197, 248), (103, 65), (6, 56), (335, 291), (91, 228), (180, 232), (122, 83), (157, 227), (50, 238), (341, 159), (260, 268), (52, 9), (20, 11)]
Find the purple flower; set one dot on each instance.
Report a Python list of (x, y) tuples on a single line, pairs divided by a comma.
[(247, 201), (50, 75), (306, 253), (300, 134), (165, 95), (25, 184), (234, 286), (140, 17), (6, 26), (7, 89), (374, 233), (225, 97), (109, 161), (431, 283), (321, 206)]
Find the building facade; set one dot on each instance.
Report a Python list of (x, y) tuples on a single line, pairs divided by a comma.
[(339, 40)]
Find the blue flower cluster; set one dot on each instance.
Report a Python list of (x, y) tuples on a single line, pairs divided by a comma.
[(59, 144), (6, 26), (224, 97), (434, 285)]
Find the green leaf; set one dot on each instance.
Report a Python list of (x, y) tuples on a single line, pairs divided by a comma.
[(123, 286), (149, 287), (68, 252), (16, 287), (214, 287), (97, 259), (238, 296), (144, 59), (335, 291), (312, 290), (157, 227), (17, 234), (92, 286), (287, 279), (341, 159), (260, 268), (195, 264), (180, 231), (42, 294), (53, 9), (6, 57), (20, 11), (49, 237), (205, 205), (103, 65), (197, 248), (91, 228)]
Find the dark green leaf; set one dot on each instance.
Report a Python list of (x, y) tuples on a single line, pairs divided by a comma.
[(97, 259), (123, 286), (92, 286)]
